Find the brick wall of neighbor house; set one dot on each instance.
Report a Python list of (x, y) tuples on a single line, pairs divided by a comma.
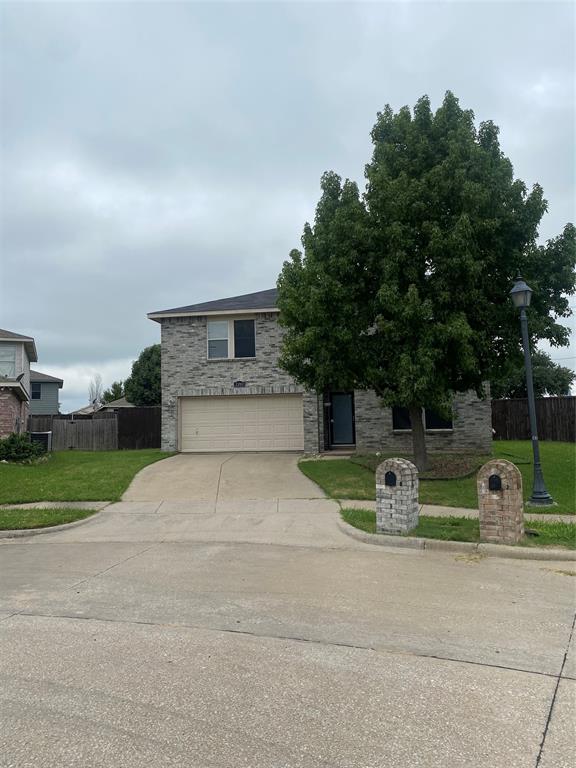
[(186, 371), (13, 412), (472, 426)]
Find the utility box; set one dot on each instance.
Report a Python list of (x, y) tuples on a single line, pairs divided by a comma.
[(500, 502), (397, 505)]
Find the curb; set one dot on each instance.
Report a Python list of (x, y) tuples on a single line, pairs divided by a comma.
[(438, 545), (20, 533)]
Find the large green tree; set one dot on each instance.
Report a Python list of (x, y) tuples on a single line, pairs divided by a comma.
[(404, 290), (549, 377), (143, 386)]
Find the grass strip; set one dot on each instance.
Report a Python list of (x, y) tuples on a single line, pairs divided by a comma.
[(539, 533), (21, 519)]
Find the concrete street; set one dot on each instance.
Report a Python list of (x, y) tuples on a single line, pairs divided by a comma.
[(219, 617)]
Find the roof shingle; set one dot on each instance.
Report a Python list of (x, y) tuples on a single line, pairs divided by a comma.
[(249, 302)]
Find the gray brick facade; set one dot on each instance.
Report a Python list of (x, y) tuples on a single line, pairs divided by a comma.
[(471, 427), (186, 372)]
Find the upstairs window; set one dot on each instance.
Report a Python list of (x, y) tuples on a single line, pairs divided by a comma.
[(8, 360), (244, 338), (217, 339), (229, 339), (36, 390)]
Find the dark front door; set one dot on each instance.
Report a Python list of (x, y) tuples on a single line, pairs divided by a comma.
[(342, 419)]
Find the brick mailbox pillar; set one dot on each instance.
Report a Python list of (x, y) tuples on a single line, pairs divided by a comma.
[(396, 496), (500, 502)]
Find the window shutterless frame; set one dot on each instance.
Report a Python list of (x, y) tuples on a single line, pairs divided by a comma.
[(36, 390), (231, 339)]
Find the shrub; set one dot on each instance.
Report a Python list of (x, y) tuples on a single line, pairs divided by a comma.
[(19, 448)]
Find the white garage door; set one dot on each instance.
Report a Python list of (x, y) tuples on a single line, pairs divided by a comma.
[(242, 423)]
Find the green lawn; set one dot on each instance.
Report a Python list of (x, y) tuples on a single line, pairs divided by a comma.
[(17, 519), (467, 529), (345, 479), (74, 476)]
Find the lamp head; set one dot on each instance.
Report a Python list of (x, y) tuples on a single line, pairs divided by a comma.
[(521, 294)]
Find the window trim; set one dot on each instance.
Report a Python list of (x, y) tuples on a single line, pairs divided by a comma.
[(38, 385), (230, 339)]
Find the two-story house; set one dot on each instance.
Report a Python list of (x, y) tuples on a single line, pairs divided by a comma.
[(222, 390), (16, 354), (44, 394)]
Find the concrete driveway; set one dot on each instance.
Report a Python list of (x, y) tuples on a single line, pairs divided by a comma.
[(223, 477), (257, 634)]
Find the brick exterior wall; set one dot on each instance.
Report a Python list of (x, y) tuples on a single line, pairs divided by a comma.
[(397, 508), (471, 422), (13, 412), (501, 511), (186, 372)]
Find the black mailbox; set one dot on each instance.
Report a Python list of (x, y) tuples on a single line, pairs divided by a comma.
[(390, 478), (494, 483)]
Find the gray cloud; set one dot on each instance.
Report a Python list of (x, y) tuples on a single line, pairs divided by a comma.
[(160, 154)]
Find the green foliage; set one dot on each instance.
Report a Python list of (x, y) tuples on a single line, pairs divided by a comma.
[(114, 392), (549, 378), (19, 448), (143, 386), (405, 289)]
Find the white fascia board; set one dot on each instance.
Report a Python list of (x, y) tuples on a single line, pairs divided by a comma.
[(213, 312)]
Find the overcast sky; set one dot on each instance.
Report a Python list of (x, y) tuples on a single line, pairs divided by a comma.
[(160, 154)]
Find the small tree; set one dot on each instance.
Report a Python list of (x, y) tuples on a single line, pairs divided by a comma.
[(95, 391), (549, 378), (143, 386), (114, 392), (405, 291)]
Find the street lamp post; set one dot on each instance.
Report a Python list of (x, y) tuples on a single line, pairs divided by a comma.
[(521, 295)]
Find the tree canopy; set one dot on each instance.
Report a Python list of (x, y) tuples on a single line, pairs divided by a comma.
[(114, 392), (549, 377), (404, 289), (143, 386)]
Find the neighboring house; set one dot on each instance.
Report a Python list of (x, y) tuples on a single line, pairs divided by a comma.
[(114, 405), (16, 354), (44, 394), (86, 410), (222, 390)]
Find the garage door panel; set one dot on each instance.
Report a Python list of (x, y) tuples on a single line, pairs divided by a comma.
[(242, 423)]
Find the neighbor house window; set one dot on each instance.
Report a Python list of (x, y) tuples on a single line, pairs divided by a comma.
[(228, 339), (36, 390), (8, 360), (433, 420)]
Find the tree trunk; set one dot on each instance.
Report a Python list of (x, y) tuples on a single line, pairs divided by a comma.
[(418, 438)]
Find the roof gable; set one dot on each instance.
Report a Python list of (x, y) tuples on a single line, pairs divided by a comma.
[(28, 342), (37, 376)]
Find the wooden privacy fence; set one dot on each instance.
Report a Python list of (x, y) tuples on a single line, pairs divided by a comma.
[(128, 428), (556, 417)]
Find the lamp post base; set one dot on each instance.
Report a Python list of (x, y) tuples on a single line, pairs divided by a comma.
[(541, 499)]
